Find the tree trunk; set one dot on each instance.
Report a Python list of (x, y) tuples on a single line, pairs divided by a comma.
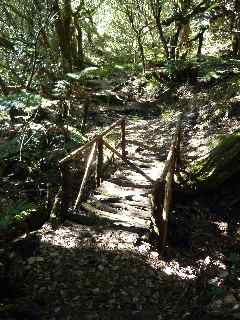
[(3, 86), (236, 43), (63, 30), (174, 42), (141, 50), (162, 37), (77, 45), (200, 44), (68, 34), (156, 8)]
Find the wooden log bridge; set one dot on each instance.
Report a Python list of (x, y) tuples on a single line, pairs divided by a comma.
[(162, 188), (96, 146)]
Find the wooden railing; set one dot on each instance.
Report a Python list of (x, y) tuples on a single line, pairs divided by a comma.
[(96, 145), (162, 193)]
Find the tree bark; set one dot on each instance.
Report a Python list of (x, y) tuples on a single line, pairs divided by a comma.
[(3, 86), (236, 43), (78, 54), (200, 44), (63, 30), (141, 50), (162, 37), (156, 11), (174, 42)]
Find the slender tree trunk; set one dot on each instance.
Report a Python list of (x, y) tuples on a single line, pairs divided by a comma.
[(63, 30), (78, 55), (156, 8), (162, 37), (3, 86), (200, 44), (68, 34), (141, 50), (237, 15), (174, 43), (236, 43), (236, 31)]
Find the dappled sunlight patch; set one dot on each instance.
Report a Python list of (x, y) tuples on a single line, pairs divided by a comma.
[(184, 273), (64, 236)]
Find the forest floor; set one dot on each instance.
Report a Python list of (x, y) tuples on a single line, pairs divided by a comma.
[(109, 269)]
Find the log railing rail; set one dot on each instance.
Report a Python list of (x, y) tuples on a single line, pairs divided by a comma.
[(162, 193), (96, 146)]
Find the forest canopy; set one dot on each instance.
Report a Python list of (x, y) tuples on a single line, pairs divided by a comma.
[(40, 39)]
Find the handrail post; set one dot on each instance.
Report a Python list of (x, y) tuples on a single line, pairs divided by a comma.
[(99, 169), (123, 138), (178, 152), (65, 175), (86, 173)]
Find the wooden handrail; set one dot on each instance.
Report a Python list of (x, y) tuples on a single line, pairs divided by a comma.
[(95, 143), (84, 180), (164, 186), (99, 169), (131, 164), (79, 150)]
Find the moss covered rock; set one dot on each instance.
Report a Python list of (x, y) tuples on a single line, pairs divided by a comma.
[(219, 166)]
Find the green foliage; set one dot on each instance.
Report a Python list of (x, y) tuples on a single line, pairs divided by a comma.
[(225, 141), (152, 86), (100, 72), (234, 258), (61, 88), (215, 68), (15, 214), (9, 149), (215, 291), (86, 74), (76, 136), (20, 100)]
